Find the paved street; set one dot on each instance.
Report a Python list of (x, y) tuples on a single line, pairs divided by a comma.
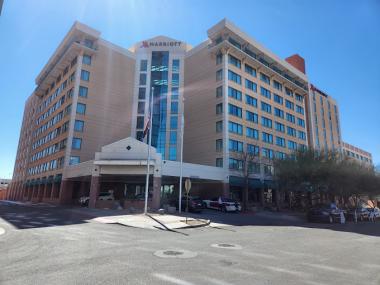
[(52, 245)]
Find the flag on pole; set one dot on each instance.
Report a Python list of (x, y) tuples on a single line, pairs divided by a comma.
[(147, 124)]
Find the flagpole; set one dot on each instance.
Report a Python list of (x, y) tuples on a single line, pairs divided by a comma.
[(149, 144), (181, 163)]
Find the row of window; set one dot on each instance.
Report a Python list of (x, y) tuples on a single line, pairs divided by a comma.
[(49, 150), (253, 167), (51, 165)]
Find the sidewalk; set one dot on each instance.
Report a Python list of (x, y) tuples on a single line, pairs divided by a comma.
[(150, 221)]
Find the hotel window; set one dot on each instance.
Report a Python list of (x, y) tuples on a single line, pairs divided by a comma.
[(86, 59), (143, 65), (219, 75), (291, 132), (68, 109), (88, 43), (175, 79), (290, 118), (265, 92), (268, 169), (219, 162), (142, 80), (280, 155), (142, 93), (301, 135), (279, 127), (252, 133), (219, 58), (175, 65), (254, 167), (280, 141), (250, 70), (299, 109), (253, 149), (219, 145), (173, 122), (173, 138), (251, 85), (141, 107), (250, 101), (235, 164), (83, 91), (265, 78), (278, 99), (292, 145), (288, 92), (85, 75), (268, 138), (219, 92), (266, 107), (234, 77), (267, 153), (78, 126), (77, 143), (235, 128), (140, 122), (236, 94), (81, 108), (70, 93), (234, 42), (300, 122), (299, 98), (278, 113), (234, 61), (277, 85), (175, 93), (74, 160), (266, 122), (174, 107), (252, 117), (219, 108), (289, 105), (172, 153), (234, 145), (234, 110), (219, 126)]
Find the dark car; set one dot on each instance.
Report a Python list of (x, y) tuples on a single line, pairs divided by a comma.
[(323, 213), (361, 214), (195, 204)]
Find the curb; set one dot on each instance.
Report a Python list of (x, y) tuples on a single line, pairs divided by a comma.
[(205, 224)]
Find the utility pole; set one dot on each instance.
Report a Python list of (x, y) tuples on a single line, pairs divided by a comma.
[(149, 145)]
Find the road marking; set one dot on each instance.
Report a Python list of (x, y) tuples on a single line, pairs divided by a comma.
[(171, 279)]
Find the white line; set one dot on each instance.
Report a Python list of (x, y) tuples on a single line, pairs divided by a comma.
[(171, 279)]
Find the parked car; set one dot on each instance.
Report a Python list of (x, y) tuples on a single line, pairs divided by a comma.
[(141, 197), (324, 213), (195, 204), (103, 196), (222, 204), (361, 213)]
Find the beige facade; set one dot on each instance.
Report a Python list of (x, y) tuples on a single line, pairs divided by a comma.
[(357, 154), (323, 121)]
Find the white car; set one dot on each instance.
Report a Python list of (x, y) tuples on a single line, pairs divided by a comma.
[(222, 204), (103, 196)]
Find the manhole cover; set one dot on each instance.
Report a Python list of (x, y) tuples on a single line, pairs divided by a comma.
[(176, 253), (226, 245)]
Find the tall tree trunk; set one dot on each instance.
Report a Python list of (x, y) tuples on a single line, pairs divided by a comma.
[(245, 195)]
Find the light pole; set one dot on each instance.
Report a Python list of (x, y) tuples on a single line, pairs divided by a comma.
[(149, 144), (181, 159)]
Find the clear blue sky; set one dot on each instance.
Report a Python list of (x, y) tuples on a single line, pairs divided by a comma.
[(340, 41)]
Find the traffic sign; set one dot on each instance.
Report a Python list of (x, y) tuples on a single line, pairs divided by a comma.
[(187, 185)]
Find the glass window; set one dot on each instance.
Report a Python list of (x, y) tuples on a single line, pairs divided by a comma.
[(219, 58), (236, 94), (83, 91), (252, 117), (235, 128), (143, 65), (142, 93), (278, 99), (290, 118), (140, 122), (219, 162), (175, 79), (265, 92), (77, 143), (252, 133), (86, 59), (173, 122), (277, 85), (268, 138), (78, 126), (291, 132), (250, 100), (253, 149), (142, 80), (219, 126), (250, 70), (74, 160), (174, 107), (235, 164), (266, 107), (289, 104), (234, 145), (141, 108), (81, 108), (251, 85), (279, 113), (266, 152), (234, 77), (234, 61), (234, 110), (219, 75), (299, 109), (175, 65), (292, 145), (280, 141), (85, 75), (172, 153), (265, 78), (300, 122), (219, 145), (173, 138), (266, 122), (175, 93), (219, 108), (219, 92), (288, 92)]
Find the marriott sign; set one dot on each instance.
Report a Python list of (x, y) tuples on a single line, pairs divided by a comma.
[(146, 44)]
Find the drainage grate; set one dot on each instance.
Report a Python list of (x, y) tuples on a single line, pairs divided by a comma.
[(226, 245), (176, 253)]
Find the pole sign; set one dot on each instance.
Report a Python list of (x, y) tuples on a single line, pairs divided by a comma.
[(187, 185)]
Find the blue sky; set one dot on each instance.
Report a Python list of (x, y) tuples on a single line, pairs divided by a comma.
[(340, 41)]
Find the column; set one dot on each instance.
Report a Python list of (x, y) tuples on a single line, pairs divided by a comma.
[(94, 191), (41, 190), (156, 199), (53, 190), (226, 190), (65, 192)]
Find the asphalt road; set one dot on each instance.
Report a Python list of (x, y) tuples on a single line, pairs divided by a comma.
[(45, 245)]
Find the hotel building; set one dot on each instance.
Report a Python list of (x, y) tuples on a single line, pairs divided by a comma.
[(83, 126), (361, 156)]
